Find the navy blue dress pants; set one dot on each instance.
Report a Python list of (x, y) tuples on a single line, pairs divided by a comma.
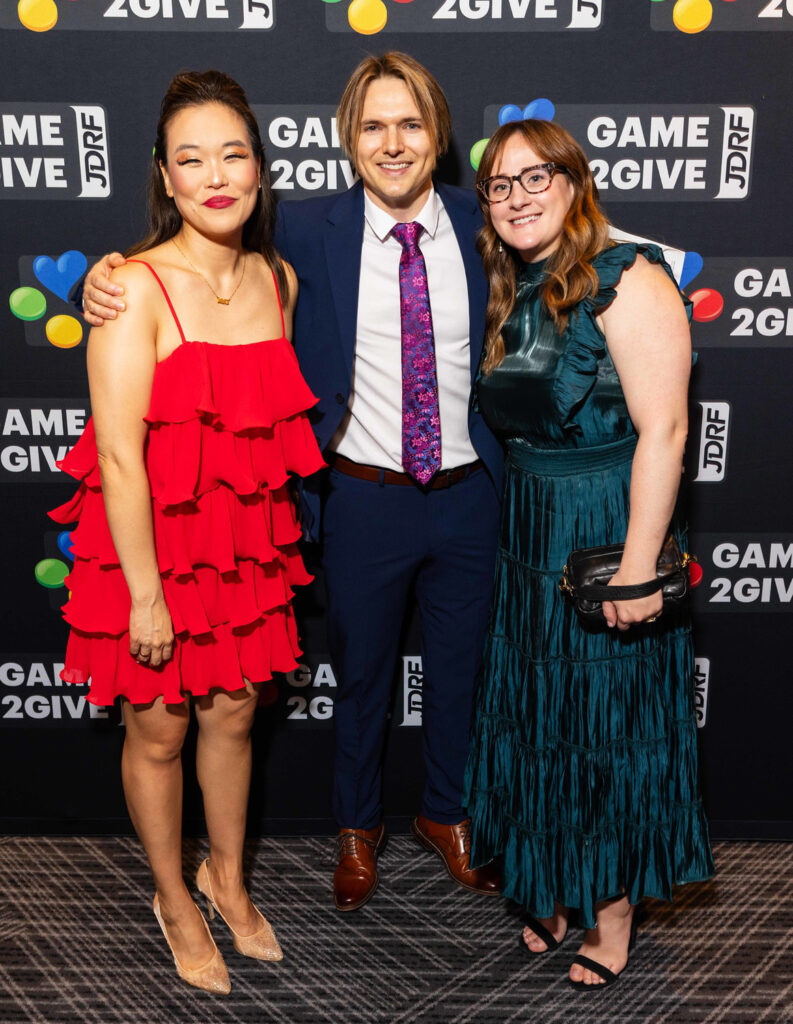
[(382, 543)]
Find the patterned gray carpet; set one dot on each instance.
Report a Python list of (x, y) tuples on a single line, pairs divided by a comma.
[(79, 945)]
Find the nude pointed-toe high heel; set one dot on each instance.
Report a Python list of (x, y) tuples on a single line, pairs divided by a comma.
[(262, 945), (212, 976)]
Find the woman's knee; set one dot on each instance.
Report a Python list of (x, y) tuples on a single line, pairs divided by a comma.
[(229, 713), (157, 733)]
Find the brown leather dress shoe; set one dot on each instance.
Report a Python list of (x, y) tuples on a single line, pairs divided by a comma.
[(452, 843), (356, 878)]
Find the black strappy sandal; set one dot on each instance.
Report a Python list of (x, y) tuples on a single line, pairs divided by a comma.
[(609, 977), (542, 933)]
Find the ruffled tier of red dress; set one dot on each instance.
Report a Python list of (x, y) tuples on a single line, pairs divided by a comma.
[(227, 427)]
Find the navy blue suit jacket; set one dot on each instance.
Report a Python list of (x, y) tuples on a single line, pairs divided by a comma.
[(322, 239)]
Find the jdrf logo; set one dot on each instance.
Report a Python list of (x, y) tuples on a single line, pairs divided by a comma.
[(412, 689), (53, 151), (713, 442), (744, 572), (304, 152), (701, 680)]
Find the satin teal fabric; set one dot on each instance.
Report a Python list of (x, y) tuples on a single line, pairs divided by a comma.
[(583, 765)]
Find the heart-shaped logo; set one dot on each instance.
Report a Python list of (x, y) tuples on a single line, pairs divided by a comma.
[(692, 264), (541, 109), (60, 275)]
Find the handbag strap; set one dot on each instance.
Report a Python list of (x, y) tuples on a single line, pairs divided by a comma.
[(603, 592)]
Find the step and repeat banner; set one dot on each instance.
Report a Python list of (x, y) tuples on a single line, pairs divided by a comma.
[(683, 108)]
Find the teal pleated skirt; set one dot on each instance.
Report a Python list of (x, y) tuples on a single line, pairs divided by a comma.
[(583, 765)]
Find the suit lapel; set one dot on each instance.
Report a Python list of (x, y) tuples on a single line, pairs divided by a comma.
[(466, 221), (343, 238)]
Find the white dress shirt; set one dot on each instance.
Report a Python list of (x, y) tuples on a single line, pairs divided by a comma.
[(371, 431)]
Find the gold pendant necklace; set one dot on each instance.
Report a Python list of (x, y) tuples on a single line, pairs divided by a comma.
[(188, 261)]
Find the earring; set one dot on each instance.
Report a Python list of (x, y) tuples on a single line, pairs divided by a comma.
[(500, 247)]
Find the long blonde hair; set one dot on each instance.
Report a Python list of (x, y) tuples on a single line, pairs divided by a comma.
[(585, 232), (425, 90)]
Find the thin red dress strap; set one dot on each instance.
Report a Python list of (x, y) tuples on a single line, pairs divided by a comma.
[(167, 296), (280, 307)]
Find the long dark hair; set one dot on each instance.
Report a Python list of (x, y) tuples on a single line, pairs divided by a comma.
[(585, 232), (194, 89)]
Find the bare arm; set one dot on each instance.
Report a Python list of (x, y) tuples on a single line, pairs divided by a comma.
[(101, 295), (121, 362), (649, 340), (290, 301)]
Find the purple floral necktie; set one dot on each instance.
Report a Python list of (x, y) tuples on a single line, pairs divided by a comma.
[(421, 422)]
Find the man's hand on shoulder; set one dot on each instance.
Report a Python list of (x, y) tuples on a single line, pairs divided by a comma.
[(101, 296)]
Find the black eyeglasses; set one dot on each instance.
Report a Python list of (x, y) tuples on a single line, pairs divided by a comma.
[(533, 180)]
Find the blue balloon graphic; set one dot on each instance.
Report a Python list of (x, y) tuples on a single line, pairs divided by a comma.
[(542, 110), (692, 264), (508, 113), (65, 544)]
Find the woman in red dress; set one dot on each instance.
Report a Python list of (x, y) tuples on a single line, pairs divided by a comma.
[(186, 548)]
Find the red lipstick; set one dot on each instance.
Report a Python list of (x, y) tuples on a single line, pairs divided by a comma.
[(219, 202)]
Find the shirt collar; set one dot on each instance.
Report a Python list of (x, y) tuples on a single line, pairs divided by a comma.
[(381, 222)]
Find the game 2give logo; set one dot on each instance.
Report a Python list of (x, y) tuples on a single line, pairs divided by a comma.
[(743, 302), (693, 16), (744, 572), (32, 694), (53, 151), (36, 434), (303, 150), (138, 15), (646, 152), (368, 17)]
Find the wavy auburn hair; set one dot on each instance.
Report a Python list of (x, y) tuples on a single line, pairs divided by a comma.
[(194, 89), (585, 232)]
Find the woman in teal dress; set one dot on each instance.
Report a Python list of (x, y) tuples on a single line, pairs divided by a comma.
[(583, 765)]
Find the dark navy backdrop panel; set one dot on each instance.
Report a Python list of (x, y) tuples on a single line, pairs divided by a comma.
[(683, 108)]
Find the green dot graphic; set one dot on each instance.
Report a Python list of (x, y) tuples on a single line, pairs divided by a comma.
[(51, 572), (477, 150), (27, 303)]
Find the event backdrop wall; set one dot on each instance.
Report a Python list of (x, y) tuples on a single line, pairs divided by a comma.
[(684, 109)]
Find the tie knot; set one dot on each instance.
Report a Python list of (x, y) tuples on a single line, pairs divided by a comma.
[(407, 234)]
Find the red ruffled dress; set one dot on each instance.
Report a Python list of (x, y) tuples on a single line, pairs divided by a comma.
[(227, 425)]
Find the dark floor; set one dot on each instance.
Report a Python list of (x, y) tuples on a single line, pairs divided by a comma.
[(78, 943)]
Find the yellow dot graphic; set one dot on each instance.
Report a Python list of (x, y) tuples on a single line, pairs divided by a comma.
[(692, 15), (367, 16), (38, 15), (64, 331)]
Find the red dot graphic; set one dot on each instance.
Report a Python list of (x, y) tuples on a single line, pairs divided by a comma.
[(708, 305)]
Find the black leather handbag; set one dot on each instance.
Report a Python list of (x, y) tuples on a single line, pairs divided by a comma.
[(588, 570)]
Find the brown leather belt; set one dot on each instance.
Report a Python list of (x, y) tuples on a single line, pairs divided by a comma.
[(442, 479)]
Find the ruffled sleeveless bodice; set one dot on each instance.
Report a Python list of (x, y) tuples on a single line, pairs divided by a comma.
[(227, 427), (561, 389)]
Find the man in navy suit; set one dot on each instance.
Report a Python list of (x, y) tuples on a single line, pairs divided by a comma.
[(384, 534)]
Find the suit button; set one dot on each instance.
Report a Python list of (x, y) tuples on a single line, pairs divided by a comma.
[(340, 398)]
